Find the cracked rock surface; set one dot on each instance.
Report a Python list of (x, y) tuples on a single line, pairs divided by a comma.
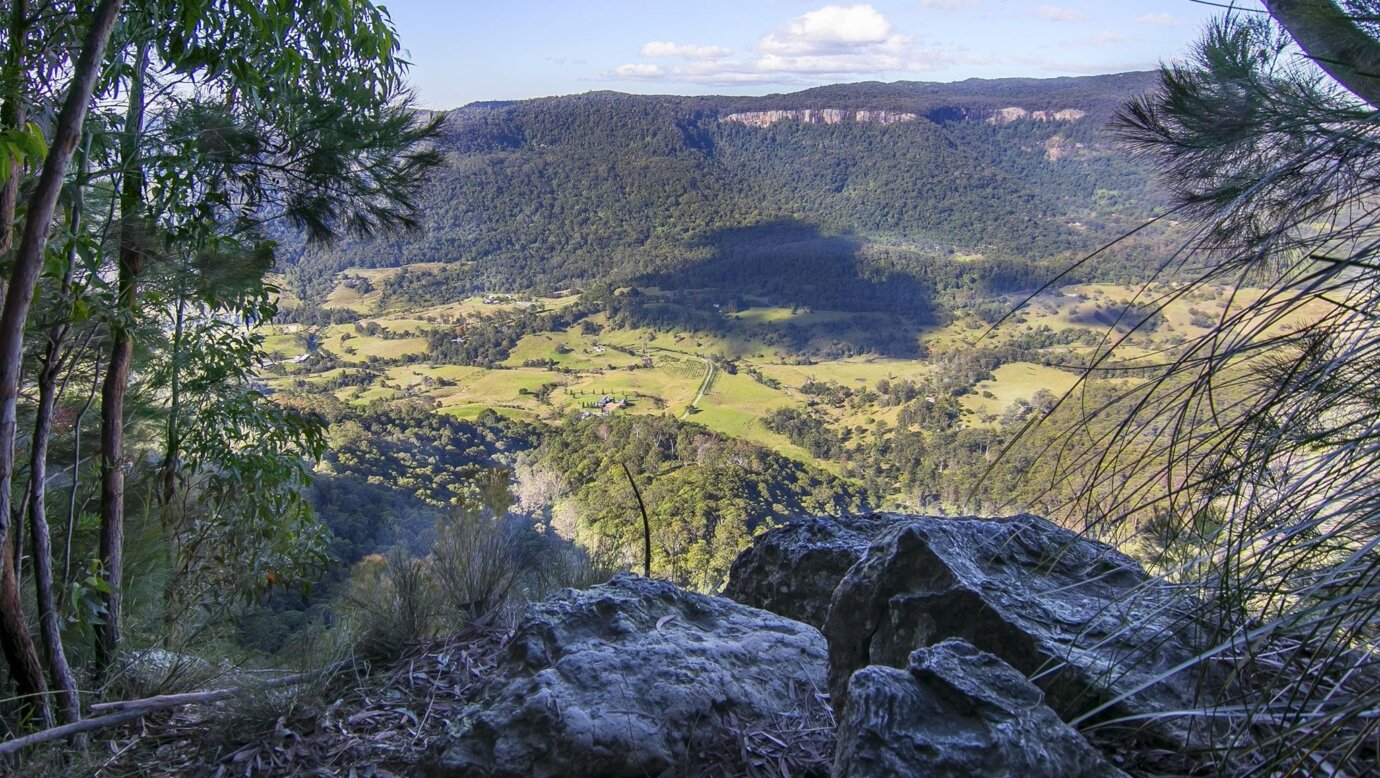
[(956, 711), (631, 678)]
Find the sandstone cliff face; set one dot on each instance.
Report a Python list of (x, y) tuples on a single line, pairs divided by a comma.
[(1059, 147), (818, 116), (837, 115), (1014, 114)]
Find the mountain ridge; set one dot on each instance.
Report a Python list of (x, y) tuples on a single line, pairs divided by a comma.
[(984, 88), (607, 187)]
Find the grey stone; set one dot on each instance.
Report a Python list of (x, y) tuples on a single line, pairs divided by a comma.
[(1083, 621), (956, 711), (629, 679), (792, 570)]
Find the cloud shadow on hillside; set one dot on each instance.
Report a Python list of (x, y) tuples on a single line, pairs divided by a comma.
[(792, 264)]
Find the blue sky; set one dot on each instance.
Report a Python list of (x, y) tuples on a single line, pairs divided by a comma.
[(466, 50)]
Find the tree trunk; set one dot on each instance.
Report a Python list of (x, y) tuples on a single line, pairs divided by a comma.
[(172, 442), (113, 491), (28, 261), (76, 474), (18, 644), (132, 239), (50, 366), (1332, 39), (12, 114), (49, 625)]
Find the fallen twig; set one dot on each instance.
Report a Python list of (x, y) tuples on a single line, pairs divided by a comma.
[(163, 701), (67, 730), (128, 710)]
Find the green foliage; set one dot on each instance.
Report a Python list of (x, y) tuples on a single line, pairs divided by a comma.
[(474, 564), (412, 449), (211, 122), (488, 340), (546, 194), (706, 495), (393, 604), (481, 567), (21, 146)]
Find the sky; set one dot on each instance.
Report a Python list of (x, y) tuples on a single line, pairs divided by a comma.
[(468, 50)]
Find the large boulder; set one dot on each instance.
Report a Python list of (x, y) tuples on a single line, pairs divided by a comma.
[(1083, 621), (793, 569), (632, 678), (956, 711)]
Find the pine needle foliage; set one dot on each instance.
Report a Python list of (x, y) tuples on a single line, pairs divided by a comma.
[(1250, 460)]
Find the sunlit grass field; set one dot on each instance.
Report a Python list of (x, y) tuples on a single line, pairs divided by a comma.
[(549, 375)]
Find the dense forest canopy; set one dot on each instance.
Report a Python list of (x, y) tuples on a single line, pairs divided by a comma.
[(550, 193)]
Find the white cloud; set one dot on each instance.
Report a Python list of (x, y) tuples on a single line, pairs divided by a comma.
[(1055, 13), (638, 70), (831, 29), (1159, 20), (841, 39), (684, 50), (833, 41), (830, 63), (721, 73)]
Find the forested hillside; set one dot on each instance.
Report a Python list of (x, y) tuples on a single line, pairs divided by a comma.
[(571, 191), (308, 395)]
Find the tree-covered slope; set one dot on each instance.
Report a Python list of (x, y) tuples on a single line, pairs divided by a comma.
[(602, 187)]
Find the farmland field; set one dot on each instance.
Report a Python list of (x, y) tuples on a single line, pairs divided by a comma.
[(548, 375)]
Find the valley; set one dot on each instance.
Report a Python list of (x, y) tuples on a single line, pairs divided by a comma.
[(730, 380), (731, 311), (353, 422)]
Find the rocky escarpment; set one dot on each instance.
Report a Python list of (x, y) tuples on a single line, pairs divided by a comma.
[(950, 647), (818, 116), (1095, 632), (634, 678), (1000, 116), (1014, 114)]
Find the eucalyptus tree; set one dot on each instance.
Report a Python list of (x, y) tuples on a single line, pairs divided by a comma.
[(293, 111), (19, 292), (67, 312), (217, 118)]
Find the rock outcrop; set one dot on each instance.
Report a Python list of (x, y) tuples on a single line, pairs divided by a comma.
[(630, 679), (1058, 147), (792, 570), (1015, 114), (1085, 622), (818, 116), (956, 711)]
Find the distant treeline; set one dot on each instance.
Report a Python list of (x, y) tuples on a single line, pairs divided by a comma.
[(546, 194)]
